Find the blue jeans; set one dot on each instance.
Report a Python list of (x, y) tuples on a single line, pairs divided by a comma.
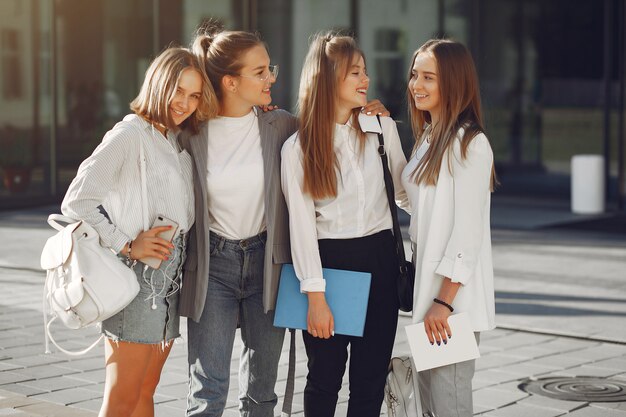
[(234, 296)]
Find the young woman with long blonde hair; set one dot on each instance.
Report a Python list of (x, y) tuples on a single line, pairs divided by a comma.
[(449, 180), (339, 218), (175, 94)]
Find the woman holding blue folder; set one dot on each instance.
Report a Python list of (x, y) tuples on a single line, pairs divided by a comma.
[(339, 218), (449, 180)]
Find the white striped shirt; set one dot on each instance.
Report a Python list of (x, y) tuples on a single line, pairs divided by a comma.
[(111, 177)]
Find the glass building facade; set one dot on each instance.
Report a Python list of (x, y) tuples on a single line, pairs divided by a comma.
[(552, 75)]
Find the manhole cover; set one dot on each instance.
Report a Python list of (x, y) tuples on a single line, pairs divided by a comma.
[(580, 388)]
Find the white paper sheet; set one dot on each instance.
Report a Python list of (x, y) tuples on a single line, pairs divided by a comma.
[(461, 347)]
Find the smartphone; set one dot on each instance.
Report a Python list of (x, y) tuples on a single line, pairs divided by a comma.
[(369, 123), (167, 235)]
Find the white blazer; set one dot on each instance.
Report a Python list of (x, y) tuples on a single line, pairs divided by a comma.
[(451, 234)]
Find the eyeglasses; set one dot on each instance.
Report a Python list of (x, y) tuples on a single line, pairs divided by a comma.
[(273, 72)]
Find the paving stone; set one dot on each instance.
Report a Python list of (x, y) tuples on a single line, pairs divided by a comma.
[(23, 389), (596, 412), (480, 410), (621, 406), (5, 366), (12, 333), (495, 398), (613, 363), (180, 405), (163, 399), (21, 351), (12, 377), (165, 410), (509, 386), (17, 401), (91, 405), (495, 360), (604, 351), (528, 352), (55, 410), (545, 402), (86, 364), (98, 388), (176, 391), (495, 334), (560, 361), (171, 378), (55, 383), (35, 360), (11, 412), (570, 345), (517, 340), (67, 396), (47, 371), (526, 369), (520, 410), (16, 342), (90, 376), (495, 376), (587, 370), (481, 383)]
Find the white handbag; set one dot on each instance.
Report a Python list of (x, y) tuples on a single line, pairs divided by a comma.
[(401, 389), (86, 283)]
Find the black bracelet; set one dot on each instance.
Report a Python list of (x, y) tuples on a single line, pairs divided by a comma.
[(443, 303)]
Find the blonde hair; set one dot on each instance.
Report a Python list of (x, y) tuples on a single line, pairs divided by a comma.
[(221, 52), (327, 61), (159, 87), (460, 108)]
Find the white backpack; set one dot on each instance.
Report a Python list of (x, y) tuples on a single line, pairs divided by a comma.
[(85, 283), (401, 389)]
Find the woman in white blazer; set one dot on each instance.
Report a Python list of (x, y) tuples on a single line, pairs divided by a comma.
[(449, 180)]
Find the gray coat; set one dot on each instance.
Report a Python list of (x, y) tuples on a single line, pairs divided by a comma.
[(274, 127)]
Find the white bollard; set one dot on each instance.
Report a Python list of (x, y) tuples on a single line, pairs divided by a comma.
[(588, 184)]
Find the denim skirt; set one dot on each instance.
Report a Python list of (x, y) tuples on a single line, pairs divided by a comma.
[(152, 317)]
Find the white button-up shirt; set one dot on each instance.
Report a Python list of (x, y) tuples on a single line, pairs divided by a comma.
[(360, 207)]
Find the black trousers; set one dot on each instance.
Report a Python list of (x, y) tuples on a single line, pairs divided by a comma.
[(370, 354)]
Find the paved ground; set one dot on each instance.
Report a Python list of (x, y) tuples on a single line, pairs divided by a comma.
[(561, 303)]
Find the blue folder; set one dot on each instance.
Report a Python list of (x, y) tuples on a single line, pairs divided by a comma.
[(347, 293)]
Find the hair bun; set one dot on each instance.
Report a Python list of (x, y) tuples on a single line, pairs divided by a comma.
[(205, 35), (210, 28)]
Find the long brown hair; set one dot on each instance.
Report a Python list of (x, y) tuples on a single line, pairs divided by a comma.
[(327, 62), (221, 51), (459, 108), (159, 86)]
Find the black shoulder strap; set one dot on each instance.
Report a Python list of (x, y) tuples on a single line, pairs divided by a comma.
[(390, 196)]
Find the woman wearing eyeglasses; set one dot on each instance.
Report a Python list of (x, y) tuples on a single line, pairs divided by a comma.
[(241, 237)]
